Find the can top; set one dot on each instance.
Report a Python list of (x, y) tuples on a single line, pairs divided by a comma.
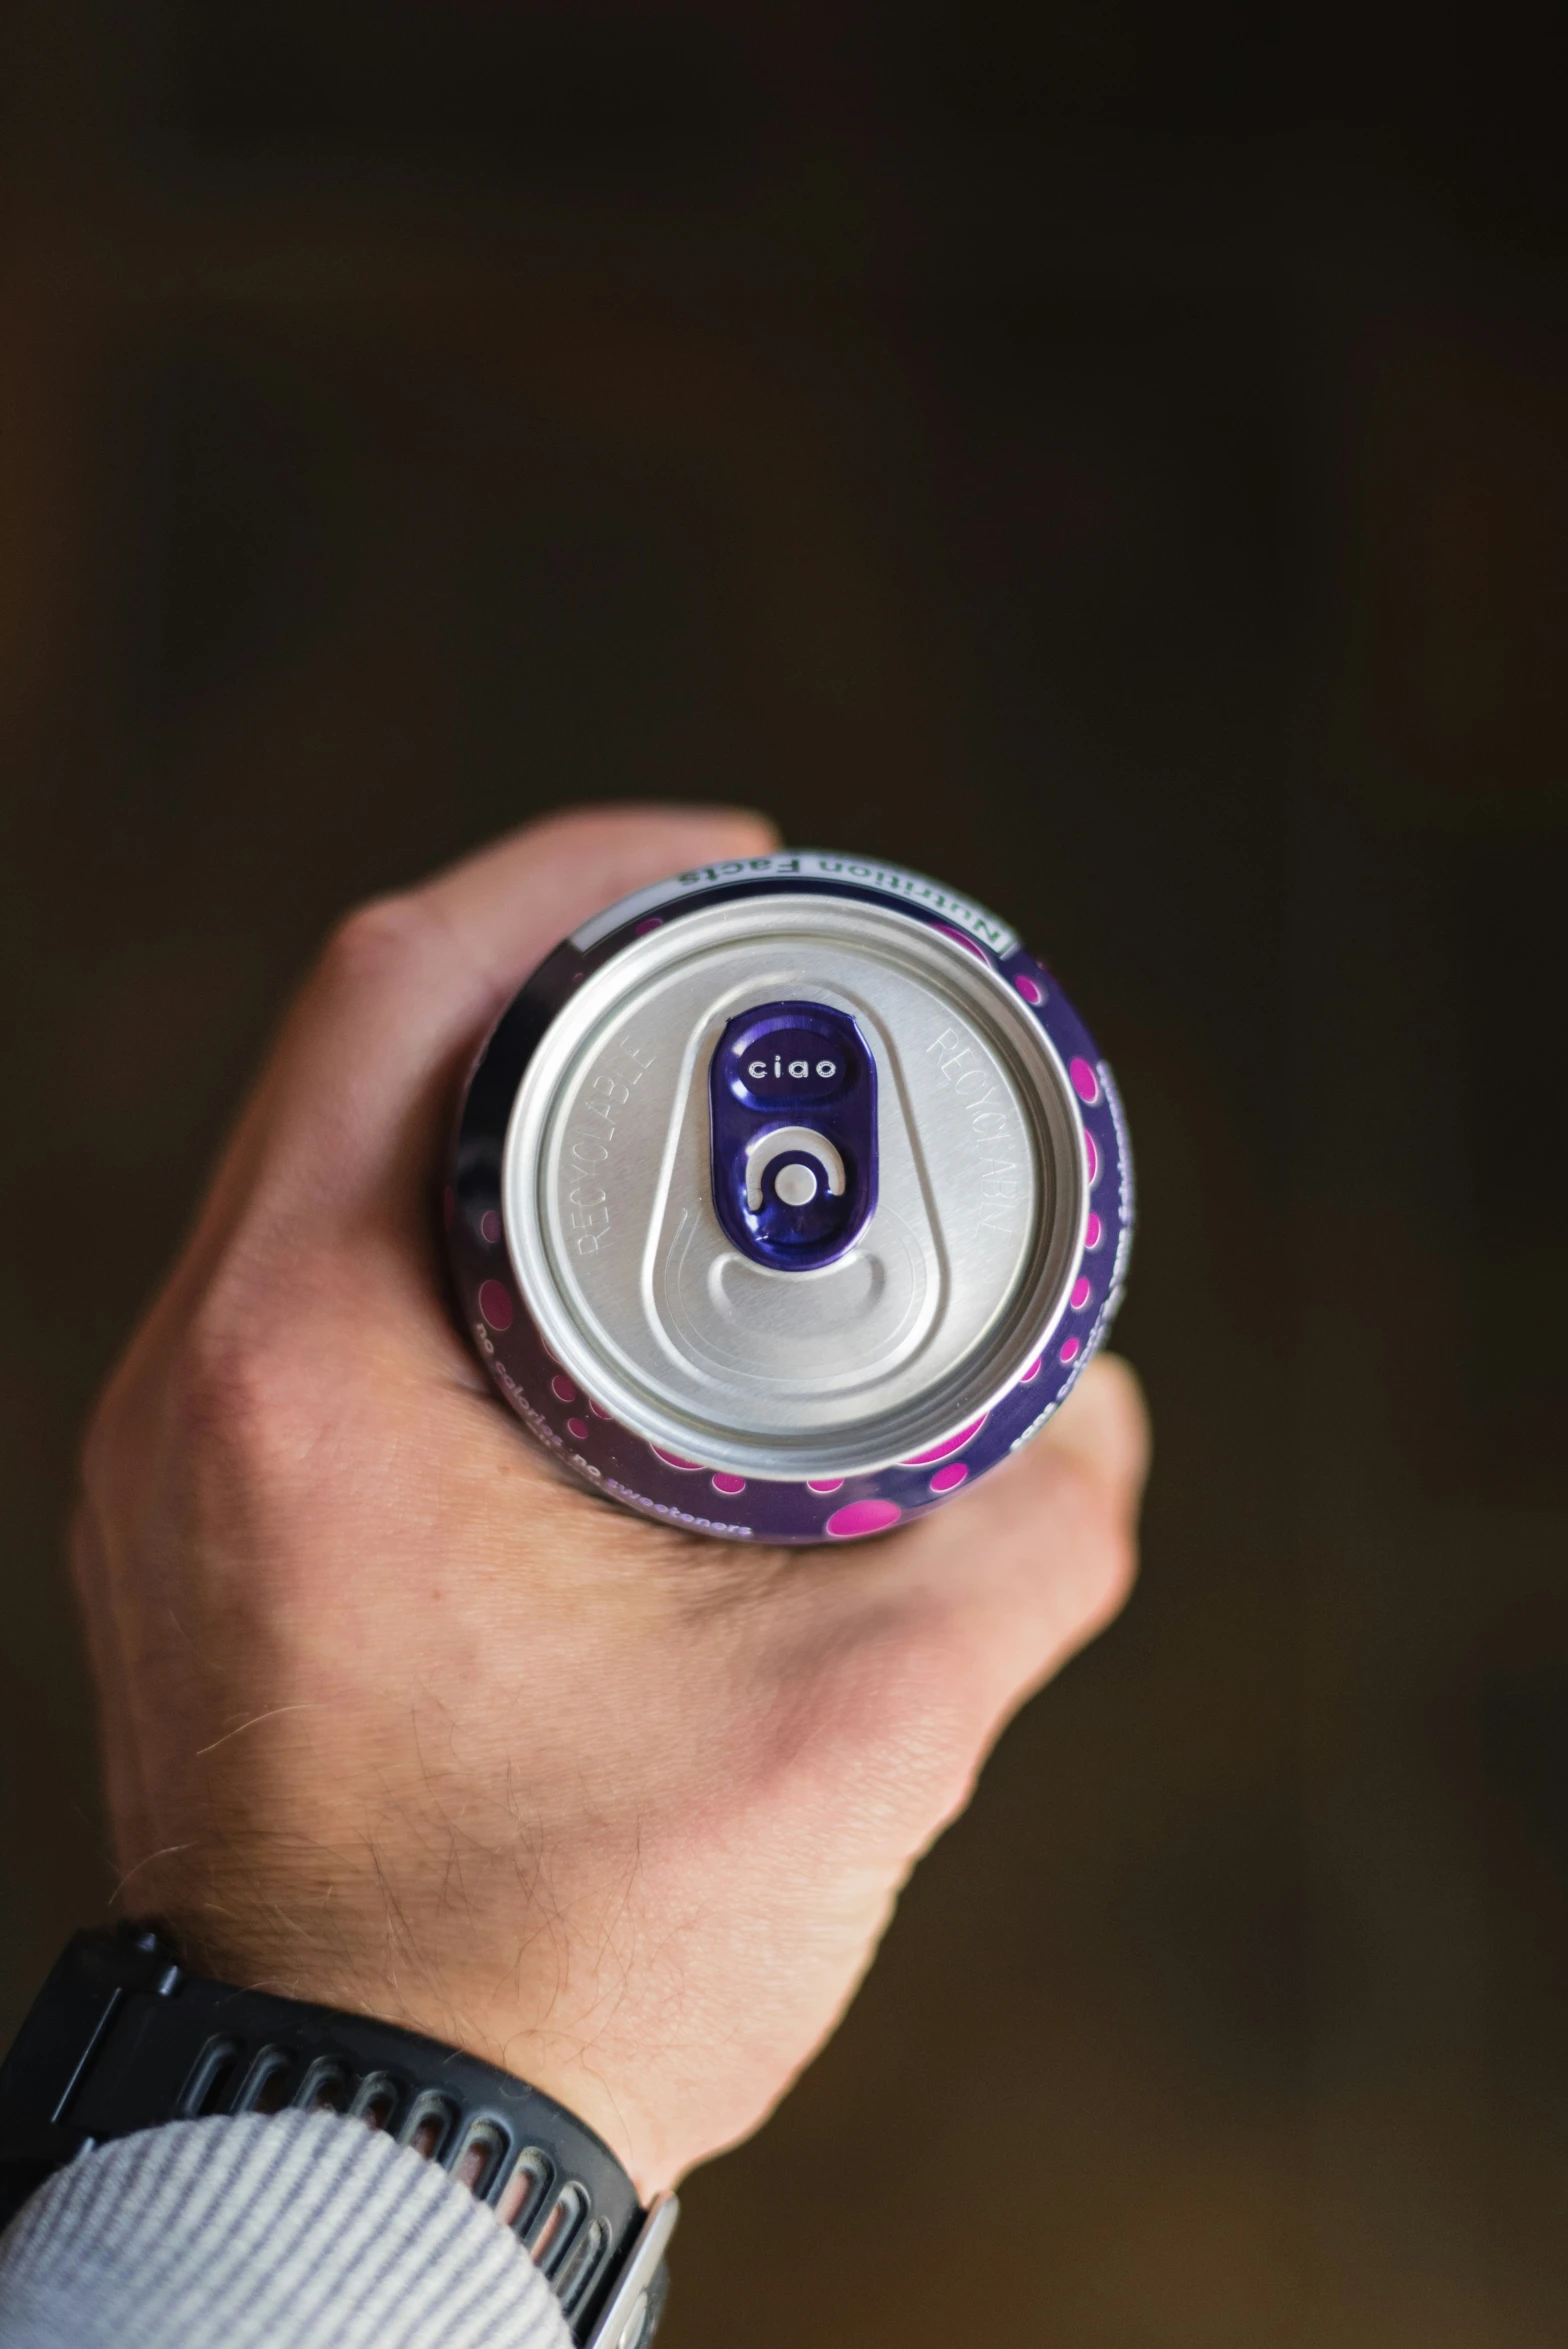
[(794, 1186)]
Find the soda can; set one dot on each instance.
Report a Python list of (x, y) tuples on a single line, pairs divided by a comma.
[(788, 1197)]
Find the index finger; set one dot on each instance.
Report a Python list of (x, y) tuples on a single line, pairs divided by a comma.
[(411, 981)]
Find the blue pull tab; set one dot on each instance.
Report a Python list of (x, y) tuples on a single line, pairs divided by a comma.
[(792, 1096)]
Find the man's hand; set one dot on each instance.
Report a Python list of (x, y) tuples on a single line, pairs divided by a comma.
[(396, 1720)]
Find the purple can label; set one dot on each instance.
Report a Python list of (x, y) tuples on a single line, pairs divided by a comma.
[(821, 1096)]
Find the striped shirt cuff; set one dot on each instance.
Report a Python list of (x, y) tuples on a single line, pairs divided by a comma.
[(303, 2229)]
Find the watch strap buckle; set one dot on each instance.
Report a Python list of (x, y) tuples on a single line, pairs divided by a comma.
[(626, 2319)]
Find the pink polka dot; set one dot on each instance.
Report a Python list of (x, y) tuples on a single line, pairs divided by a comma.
[(1033, 1371), (648, 922), (824, 1484), (862, 1517), (729, 1484), (1081, 1292), (1069, 1352), (578, 1428), (1085, 1083), (674, 1460), (1030, 989), (959, 939), (1093, 1232), (490, 1226), (564, 1388), (948, 1480), (953, 1443), (448, 1206), (1094, 1159), (597, 1409), (495, 1303)]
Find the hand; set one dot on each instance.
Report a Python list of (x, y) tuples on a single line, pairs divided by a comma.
[(395, 1720)]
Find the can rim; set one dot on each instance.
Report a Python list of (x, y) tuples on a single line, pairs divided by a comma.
[(1028, 1316)]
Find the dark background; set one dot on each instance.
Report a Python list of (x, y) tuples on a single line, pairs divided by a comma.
[(1112, 457)]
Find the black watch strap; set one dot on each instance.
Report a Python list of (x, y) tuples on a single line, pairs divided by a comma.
[(121, 2038)]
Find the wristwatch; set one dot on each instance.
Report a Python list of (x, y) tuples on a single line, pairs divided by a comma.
[(122, 2037)]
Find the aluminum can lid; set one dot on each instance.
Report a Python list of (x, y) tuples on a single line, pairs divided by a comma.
[(795, 1275)]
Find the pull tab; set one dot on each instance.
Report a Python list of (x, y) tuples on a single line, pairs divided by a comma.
[(792, 1097)]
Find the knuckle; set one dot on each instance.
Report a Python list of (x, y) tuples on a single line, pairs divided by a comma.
[(200, 1437), (245, 1380), (375, 939)]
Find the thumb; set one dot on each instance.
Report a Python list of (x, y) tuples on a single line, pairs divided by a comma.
[(1039, 1557)]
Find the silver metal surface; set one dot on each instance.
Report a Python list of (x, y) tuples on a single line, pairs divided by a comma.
[(625, 2313), (796, 1184), (943, 1301), (803, 866)]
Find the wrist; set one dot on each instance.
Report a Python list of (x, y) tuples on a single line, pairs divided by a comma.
[(436, 1976), (124, 2038)]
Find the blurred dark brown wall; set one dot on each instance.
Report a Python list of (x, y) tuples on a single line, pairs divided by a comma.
[(1113, 458)]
